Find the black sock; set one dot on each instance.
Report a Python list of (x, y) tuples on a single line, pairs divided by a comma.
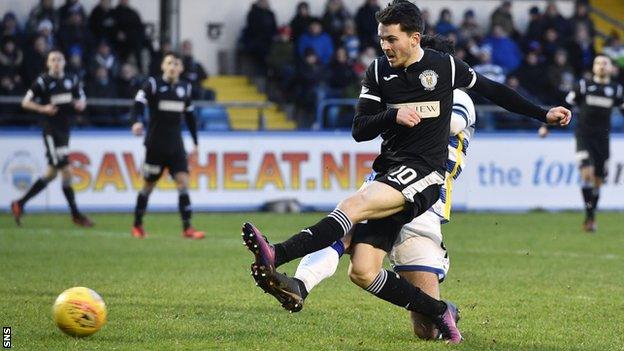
[(39, 185), (302, 288), (397, 290), (71, 199), (139, 210), (184, 205), (595, 198), (588, 194), (314, 238)]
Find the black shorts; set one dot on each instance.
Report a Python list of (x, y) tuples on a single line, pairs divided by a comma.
[(420, 186), (156, 161), (57, 150), (593, 150)]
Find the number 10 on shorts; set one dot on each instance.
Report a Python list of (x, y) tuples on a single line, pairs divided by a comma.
[(403, 175)]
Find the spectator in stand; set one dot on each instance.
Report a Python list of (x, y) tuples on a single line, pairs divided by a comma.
[(581, 18), (258, 34), (505, 51), (426, 17), (552, 18), (76, 63), (340, 75), (46, 30), (73, 33), (487, 68), (366, 24), (470, 27), (299, 24), (35, 60), (104, 57), (307, 82), (11, 28), (128, 82), (101, 86), (41, 12), (9, 86), (368, 55), (11, 58), (334, 19), (535, 28), (445, 24), (194, 73), (281, 66), (531, 75), (130, 33), (350, 41), (102, 22), (503, 17), (614, 48), (560, 78), (550, 44), (318, 40), (69, 9), (581, 51)]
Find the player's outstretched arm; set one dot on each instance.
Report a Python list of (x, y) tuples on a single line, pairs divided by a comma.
[(510, 100)]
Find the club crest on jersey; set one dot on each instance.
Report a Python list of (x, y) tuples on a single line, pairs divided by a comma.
[(180, 92), (608, 91), (428, 79), (67, 84)]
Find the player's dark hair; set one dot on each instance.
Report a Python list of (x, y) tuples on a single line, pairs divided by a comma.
[(437, 43), (173, 54), (403, 13)]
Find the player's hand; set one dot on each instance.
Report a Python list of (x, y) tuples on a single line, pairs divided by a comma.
[(543, 132), (559, 116), (194, 152), (407, 117), (137, 129), (80, 105), (49, 110)]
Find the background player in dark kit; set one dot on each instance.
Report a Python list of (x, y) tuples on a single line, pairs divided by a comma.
[(168, 100), (57, 97), (595, 98)]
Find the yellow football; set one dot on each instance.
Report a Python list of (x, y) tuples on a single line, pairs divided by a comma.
[(79, 311)]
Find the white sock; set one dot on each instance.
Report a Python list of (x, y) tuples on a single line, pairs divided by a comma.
[(317, 266)]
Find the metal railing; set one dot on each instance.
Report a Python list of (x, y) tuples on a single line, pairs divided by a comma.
[(128, 103)]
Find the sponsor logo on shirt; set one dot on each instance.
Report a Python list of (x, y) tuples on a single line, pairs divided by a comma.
[(59, 99), (390, 77), (426, 109), (599, 101), (171, 106)]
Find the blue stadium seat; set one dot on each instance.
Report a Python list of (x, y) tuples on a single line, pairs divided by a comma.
[(213, 118)]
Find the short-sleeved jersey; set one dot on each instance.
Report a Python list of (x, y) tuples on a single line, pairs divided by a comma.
[(60, 92), (167, 103), (596, 102), (427, 86), (463, 107)]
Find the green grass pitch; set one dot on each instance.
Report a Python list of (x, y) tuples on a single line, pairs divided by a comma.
[(523, 281)]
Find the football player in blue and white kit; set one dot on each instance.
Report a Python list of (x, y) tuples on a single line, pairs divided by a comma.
[(418, 253)]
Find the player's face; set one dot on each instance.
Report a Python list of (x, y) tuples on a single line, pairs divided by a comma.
[(172, 67), (602, 66), (398, 46), (56, 62)]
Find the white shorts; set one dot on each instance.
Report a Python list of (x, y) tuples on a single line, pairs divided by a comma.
[(419, 247)]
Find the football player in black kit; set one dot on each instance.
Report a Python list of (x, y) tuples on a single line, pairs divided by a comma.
[(168, 100), (56, 96), (595, 98), (406, 97)]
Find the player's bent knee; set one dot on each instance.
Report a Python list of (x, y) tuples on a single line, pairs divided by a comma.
[(362, 277)]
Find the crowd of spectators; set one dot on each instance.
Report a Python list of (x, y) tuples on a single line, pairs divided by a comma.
[(107, 47), (315, 56)]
